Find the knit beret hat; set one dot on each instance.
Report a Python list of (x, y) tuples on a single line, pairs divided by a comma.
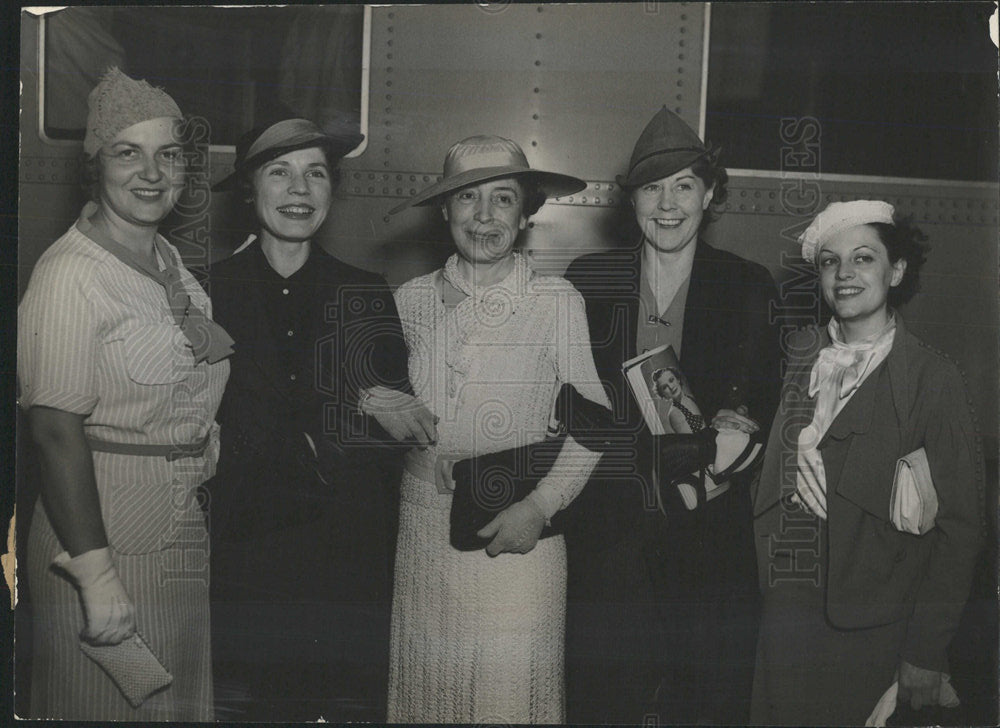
[(117, 102)]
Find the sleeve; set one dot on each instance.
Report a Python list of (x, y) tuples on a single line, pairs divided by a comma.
[(389, 363), (954, 453), (575, 364), (370, 351), (58, 338)]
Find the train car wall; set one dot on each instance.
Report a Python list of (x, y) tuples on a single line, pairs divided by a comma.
[(574, 85)]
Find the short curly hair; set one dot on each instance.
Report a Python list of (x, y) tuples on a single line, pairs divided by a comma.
[(534, 196), (903, 241), (709, 171)]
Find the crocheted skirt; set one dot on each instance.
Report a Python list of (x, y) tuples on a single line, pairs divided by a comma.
[(474, 639)]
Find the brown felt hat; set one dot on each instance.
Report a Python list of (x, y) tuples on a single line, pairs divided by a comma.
[(268, 142), (666, 146)]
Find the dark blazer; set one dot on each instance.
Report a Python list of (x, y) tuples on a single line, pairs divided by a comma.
[(876, 574), (662, 607), (730, 340)]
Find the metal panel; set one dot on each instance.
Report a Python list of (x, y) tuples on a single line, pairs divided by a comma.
[(552, 77), (573, 84)]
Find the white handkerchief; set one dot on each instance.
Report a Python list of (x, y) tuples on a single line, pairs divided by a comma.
[(886, 705), (913, 505), (733, 453)]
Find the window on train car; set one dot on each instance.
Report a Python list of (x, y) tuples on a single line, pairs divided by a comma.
[(896, 89), (236, 67)]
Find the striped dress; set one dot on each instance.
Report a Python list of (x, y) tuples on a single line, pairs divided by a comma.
[(97, 338), (477, 639)]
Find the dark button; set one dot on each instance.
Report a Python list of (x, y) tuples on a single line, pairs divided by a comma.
[(900, 555)]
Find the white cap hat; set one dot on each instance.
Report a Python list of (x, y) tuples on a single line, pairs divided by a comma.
[(840, 216)]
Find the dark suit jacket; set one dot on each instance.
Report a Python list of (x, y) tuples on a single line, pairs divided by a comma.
[(876, 574), (662, 607), (730, 339)]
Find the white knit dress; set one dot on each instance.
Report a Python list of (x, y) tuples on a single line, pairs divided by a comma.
[(478, 639)]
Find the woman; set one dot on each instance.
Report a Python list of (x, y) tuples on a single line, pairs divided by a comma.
[(477, 636), (681, 411), (851, 601), (121, 371), (304, 494), (662, 611)]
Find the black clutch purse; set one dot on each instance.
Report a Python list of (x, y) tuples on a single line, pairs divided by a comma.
[(485, 485)]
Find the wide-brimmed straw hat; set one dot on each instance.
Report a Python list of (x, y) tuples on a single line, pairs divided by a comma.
[(482, 158), (666, 146), (270, 141)]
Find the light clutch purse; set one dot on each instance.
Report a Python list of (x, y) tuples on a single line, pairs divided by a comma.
[(132, 666), (913, 505)]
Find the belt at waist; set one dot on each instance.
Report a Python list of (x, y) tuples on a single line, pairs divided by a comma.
[(171, 452), (420, 464)]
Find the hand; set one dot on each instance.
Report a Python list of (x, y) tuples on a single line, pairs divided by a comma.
[(108, 612), (515, 530), (402, 415), (727, 419), (917, 686), (811, 487), (443, 477)]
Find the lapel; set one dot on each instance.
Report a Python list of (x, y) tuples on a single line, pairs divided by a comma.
[(704, 290), (609, 283), (863, 443)]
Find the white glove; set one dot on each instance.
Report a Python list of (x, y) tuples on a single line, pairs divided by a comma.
[(516, 529), (108, 612)]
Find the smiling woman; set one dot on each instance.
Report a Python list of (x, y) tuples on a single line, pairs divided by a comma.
[(878, 603), (121, 370), (293, 194), (298, 480), (490, 342), (142, 173), (713, 308)]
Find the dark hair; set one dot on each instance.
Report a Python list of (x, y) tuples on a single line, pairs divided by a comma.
[(903, 241), (534, 196), (655, 376), (244, 177), (708, 171), (712, 174)]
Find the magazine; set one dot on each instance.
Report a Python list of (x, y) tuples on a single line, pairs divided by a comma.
[(668, 407)]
